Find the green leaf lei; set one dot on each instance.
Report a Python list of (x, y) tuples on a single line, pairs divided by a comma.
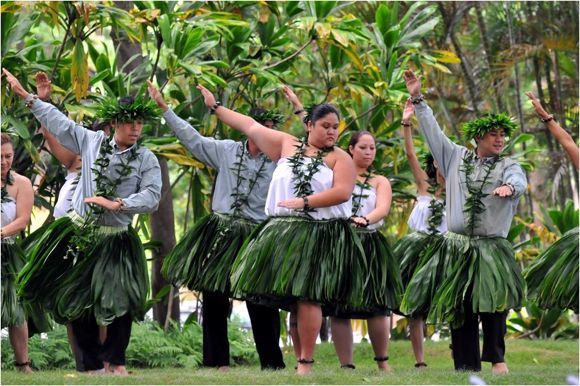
[(302, 180), (106, 186), (473, 203), (357, 198), (241, 199), (9, 181), (436, 208)]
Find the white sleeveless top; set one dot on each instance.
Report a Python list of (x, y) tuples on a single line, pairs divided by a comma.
[(8, 212), (64, 201), (368, 203), (419, 218), (282, 188)]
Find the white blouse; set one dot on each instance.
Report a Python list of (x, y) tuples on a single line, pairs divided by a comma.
[(282, 188), (419, 218), (368, 203), (64, 201)]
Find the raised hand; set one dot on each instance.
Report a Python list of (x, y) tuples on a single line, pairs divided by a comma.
[(43, 86), (408, 111), (413, 83), (537, 105), (156, 96), (208, 97), (15, 84), (291, 97)]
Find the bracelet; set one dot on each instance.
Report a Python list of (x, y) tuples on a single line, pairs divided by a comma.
[(406, 124), (306, 206), (511, 187), (215, 107), (367, 220), (120, 200), (547, 119), (417, 99), (298, 111), (29, 100)]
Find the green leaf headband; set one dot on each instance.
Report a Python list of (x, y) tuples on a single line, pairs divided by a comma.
[(127, 109), (269, 115), (478, 127)]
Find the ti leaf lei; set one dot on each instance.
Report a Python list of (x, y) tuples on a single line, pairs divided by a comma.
[(474, 205), (106, 186), (357, 198), (303, 178), (9, 181), (436, 208), (241, 199)]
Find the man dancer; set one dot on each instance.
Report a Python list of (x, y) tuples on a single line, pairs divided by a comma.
[(480, 275)]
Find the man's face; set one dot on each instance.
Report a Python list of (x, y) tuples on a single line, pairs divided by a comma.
[(127, 133), (491, 143)]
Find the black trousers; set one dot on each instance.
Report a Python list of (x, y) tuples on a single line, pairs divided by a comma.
[(91, 352), (465, 340), (265, 327)]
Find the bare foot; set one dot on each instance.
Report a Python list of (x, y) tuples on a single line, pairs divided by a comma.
[(224, 369), (304, 368), (118, 370), (24, 368), (499, 368), (384, 366), (97, 372)]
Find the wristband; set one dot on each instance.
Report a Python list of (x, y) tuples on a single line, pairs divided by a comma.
[(298, 111), (306, 206), (215, 107), (406, 124), (29, 100), (367, 220), (547, 119), (417, 99)]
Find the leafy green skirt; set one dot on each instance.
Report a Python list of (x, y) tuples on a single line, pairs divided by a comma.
[(109, 281), (383, 289), (202, 260), (409, 250), (16, 311), (13, 312), (287, 259), (48, 264), (478, 271), (553, 277)]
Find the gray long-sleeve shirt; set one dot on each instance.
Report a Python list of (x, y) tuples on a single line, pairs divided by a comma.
[(140, 191), (497, 218), (222, 156)]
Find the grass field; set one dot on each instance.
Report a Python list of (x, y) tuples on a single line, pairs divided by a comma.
[(530, 362)]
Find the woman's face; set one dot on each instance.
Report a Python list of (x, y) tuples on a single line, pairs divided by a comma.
[(6, 157), (364, 151), (324, 132)]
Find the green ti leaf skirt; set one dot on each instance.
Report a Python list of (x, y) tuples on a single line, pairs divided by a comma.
[(553, 277), (287, 259), (476, 271), (203, 258)]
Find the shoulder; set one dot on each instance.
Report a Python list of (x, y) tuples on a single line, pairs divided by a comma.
[(21, 181), (379, 181), (508, 162), (337, 154), (147, 156)]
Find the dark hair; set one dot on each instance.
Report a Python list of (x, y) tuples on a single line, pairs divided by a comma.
[(126, 100), (256, 112), (356, 137), (314, 113), (5, 139), (99, 125), (429, 166)]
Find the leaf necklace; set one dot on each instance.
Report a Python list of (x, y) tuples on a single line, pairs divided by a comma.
[(9, 181), (303, 178), (240, 167), (357, 198)]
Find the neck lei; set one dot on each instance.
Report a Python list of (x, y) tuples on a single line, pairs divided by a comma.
[(240, 199), (303, 178), (9, 181), (474, 205), (357, 198), (106, 186)]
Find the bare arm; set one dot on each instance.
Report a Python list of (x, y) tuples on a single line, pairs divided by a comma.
[(384, 199), (418, 173), (24, 201), (296, 104), (66, 157), (557, 131), (271, 142)]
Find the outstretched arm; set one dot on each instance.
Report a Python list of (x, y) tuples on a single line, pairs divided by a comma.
[(418, 173), (297, 107), (442, 148), (271, 142), (557, 131)]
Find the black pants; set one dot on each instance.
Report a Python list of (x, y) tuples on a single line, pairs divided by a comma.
[(91, 351), (465, 340), (265, 327)]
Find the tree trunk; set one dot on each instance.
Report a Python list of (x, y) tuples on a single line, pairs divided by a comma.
[(163, 230)]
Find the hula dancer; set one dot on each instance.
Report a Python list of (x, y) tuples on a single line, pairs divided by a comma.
[(89, 267), (553, 277), (371, 201), (17, 200), (305, 254), (427, 221), (202, 260), (480, 274)]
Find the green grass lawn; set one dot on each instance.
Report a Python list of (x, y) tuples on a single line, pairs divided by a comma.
[(530, 362)]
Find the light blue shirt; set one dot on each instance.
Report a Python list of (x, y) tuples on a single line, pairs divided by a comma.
[(140, 191), (497, 218)]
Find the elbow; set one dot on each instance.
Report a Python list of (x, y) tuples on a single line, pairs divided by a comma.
[(344, 196)]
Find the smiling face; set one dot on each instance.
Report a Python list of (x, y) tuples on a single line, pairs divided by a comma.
[(7, 157), (127, 133), (324, 131), (491, 144), (363, 151)]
